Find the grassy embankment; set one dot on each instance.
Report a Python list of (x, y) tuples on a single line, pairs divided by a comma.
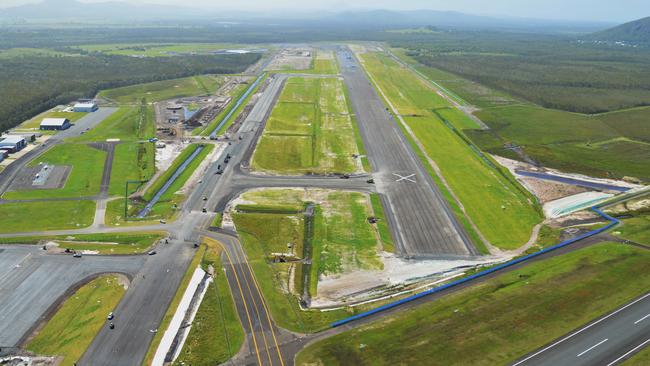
[(526, 309), (496, 204), (163, 90), (75, 324), (119, 243), (216, 334), (342, 241), (309, 131)]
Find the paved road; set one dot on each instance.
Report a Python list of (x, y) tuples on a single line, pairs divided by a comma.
[(606, 341), (32, 282), (146, 301), (422, 222), (264, 340)]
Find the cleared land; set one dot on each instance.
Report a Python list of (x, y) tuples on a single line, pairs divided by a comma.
[(38, 216), (76, 323), (85, 177), (497, 205), (274, 224), (158, 49), (499, 320), (323, 63), (163, 90), (216, 333), (236, 93), (310, 131)]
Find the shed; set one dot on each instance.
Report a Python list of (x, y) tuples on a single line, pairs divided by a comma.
[(85, 107), (13, 143), (55, 124)]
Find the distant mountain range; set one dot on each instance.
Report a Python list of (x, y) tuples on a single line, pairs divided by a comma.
[(637, 31), (112, 11)]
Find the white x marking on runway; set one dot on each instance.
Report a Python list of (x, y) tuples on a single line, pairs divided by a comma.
[(407, 177)]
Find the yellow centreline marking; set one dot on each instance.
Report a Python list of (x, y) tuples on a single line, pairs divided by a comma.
[(268, 317), (259, 318), (241, 291)]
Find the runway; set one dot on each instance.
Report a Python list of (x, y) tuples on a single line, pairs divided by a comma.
[(420, 219)]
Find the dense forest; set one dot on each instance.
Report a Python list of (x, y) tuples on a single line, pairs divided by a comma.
[(552, 71), (32, 84)]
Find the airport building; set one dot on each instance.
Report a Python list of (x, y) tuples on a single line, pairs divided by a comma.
[(13, 143), (85, 107), (55, 124)]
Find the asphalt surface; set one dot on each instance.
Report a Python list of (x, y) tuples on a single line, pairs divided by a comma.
[(32, 282), (422, 222), (608, 340)]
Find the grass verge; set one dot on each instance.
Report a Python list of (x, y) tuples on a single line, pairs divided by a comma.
[(499, 320), (42, 216), (78, 320)]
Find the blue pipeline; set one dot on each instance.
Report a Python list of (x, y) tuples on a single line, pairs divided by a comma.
[(612, 222), (170, 181)]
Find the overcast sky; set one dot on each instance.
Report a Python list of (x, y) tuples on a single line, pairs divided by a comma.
[(601, 10)]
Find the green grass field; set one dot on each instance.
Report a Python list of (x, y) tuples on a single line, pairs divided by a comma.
[(84, 179), (163, 90), (75, 324), (611, 145), (495, 203), (636, 229), (640, 359), (497, 321), (309, 131), (119, 243), (216, 333), (342, 241), (39, 216), (323, 63), (127, 124)]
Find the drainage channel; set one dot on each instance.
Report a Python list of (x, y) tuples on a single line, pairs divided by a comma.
[(240, 101), (145, 211)]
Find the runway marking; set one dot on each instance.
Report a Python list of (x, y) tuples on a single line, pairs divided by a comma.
[(268, 317), (592, 347), (241, 291), (259, 318), (581, 330), (642, 319), (629, 352), (405, 177)]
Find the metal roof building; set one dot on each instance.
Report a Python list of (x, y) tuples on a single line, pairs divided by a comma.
[(55, 124), (13, 143), (85, 107)]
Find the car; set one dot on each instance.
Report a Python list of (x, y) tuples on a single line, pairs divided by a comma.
[(151, 252), (111, 326), (200, 181), (205, 198), (204, 210), (345, 176), (153, 139), (219, 172), (110, 316), (76, 255), (163, 221)]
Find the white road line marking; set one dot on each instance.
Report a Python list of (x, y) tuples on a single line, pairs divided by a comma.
[(592, 347), (581, 330), (408, 178), (642, 319), (629, 352)]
